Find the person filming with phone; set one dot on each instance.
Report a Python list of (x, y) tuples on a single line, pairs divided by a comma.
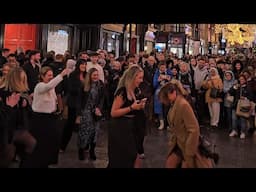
[(128, 105)]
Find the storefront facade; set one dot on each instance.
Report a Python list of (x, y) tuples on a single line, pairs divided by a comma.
[(176, 43), (149, 42), (44, 37), (58, 38), (161, 41), (110, 38), (19, 36)]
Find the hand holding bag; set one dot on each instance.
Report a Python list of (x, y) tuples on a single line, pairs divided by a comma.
[(243, 108), (230, 98), (215, 92)]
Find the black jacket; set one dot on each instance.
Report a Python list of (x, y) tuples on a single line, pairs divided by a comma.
[(6, 117), (100, 99), (147, 84), (32, 75), (74, 90), (240, 91), (3, 60)]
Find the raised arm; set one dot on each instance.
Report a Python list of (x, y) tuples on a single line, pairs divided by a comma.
[(44, 87)]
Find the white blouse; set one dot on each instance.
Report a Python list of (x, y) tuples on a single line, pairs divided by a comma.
[(45, 99)]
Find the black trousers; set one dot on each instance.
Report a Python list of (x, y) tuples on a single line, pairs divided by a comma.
[(122, 146), (140, 131), (201, 107), (68, 128), (44, 129)]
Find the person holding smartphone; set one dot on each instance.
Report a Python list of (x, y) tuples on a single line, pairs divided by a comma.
[(124, 129)]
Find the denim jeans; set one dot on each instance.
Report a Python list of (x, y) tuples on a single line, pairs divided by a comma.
[(228, 113), (238, 123)]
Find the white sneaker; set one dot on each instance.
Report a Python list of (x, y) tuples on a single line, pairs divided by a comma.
[(233, 134), (242, 136), (161, 127), (142, 156)]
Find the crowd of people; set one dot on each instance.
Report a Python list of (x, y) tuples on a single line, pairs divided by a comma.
[(129, 91)]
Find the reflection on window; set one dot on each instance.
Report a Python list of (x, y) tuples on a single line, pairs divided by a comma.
[(58, 38)]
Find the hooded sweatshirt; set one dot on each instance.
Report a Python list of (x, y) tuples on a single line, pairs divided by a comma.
[(227, 84)]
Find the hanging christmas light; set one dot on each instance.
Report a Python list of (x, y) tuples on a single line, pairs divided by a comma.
[(237, 33)]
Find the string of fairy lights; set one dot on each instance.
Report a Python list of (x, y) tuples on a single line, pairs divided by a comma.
[(237, 33)]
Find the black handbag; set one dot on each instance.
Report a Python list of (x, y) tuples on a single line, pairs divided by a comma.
[(96, 117), (207, 149), (215, 92)]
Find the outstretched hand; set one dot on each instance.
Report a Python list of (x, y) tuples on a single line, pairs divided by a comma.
[(65, 72), (13, 99)]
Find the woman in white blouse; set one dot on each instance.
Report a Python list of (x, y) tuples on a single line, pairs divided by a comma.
[(43, 122)]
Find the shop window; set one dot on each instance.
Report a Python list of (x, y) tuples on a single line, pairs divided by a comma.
[(58, 38)]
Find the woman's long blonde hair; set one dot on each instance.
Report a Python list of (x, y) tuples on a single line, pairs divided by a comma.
[(173, 85), (88, 79), (128, 77), (3, 78), (14, 81)]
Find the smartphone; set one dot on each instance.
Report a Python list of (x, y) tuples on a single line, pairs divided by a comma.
[(144, 100)]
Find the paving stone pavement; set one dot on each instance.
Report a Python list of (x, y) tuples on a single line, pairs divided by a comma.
[(234, 152)]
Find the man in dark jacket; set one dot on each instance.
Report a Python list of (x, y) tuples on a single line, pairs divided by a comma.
[(147, 87), (32, 70)]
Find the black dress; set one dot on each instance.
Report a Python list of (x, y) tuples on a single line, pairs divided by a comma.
[(122, 137)]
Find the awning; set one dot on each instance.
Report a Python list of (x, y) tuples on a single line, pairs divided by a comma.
[(113, 27)]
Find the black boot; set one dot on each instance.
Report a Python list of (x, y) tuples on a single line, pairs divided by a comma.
[(92, 151), (87, 147), (81, 154)]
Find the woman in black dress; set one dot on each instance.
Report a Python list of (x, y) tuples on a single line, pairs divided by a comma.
[(122, 138)]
